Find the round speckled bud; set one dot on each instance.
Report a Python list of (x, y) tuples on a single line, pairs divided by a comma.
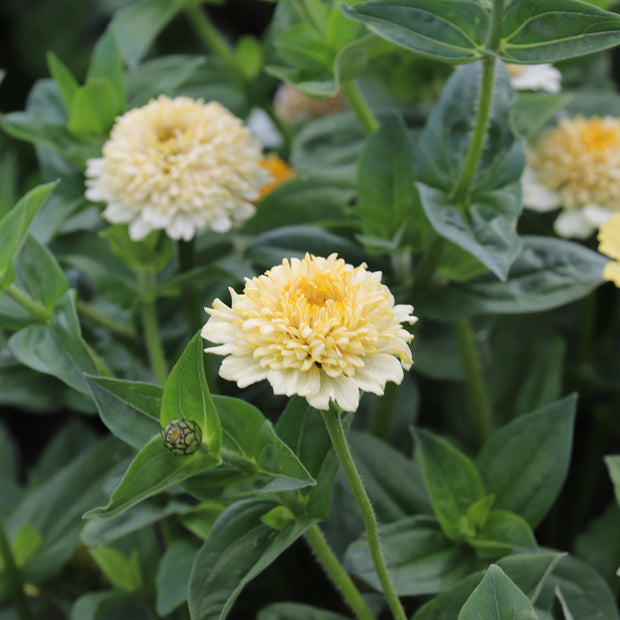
[(182, 437)]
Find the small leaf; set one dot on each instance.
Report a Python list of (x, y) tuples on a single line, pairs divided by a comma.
[(122, 571), (551, 30), (525, 463), (278, 518), (67, 84), (497, 598), (93, 109), (26, 543), (454, 33), (503, 533)]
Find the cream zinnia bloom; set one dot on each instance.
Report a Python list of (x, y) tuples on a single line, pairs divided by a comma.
[(576, 166), (535, 77), (609, 244), (316, 327), (178, 165)]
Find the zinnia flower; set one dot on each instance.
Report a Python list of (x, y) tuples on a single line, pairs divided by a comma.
[(609, 244), (280, 171), (178, 165), (291, 104), (535, 77), (576, 166), (316, 327)]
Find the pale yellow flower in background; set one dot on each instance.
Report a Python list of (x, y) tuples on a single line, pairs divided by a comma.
[(609, 244), (535, 77), (576, 166), (291, 104), (316, 327), (178, 165)]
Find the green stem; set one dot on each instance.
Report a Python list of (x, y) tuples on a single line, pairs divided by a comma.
[(211, 36), (357, 102), (122, 330), (475, 379), (16, 585), (35, 308), (333, 423), (148, 315), (193, 308), (337, 574)]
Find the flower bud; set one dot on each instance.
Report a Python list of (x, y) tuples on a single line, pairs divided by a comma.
[(181, 436)]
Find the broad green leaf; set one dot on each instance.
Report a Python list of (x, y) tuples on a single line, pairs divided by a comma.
[(296, 611), (122, 571), (524, 464), (419, 558), (254, 459), (136, 26), (444, 141), (186, 395), (239, 548), (93, 109), (130, 409), (487, 229), (503, 533), (551, 30), (304, 48), (547, 274), (302, 200), (107, 63), (173, 575), (153, 470), (452, 482), (497, 598), (14, 229), (67, 84), (455, 33), (388, 201), (529, 571)]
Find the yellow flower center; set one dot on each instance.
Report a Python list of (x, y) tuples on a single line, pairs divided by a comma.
[(598, 136)]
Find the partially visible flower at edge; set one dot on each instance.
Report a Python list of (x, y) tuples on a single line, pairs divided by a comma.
[(609, 244), (178, 165), (291, 104), (280, 171), (316, 327), (575, 166), (535, 77)]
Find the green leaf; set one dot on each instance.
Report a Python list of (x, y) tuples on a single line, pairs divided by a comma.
[(532, 110), (130, 409), (107, 605), (254, 459), (497, 598), (199, 519), (239, 548), (106, 64), (186, 395), (487, 229), (443, 144), (14, 229), (388, 201), (503, 533), (419, 558), (173, 575), (524, 464), (529, 571), (67, 84), (552, 30), (122, 571), (26, 543), (249, 53), (296, 611), (304, 47), (150, 255), (153, 470), (547, 274), (454, 33), (58, 348), (93, 109), (278, 518), (451, 480), (136, 26)]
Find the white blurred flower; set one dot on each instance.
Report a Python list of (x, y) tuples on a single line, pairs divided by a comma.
[(575, 166), (264, 129), (316, 327), (291, 104), (178, 165), (535, 77)]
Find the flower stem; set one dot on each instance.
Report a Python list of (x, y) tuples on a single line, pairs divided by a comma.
[(333, 423), (15, 580), (148, 315), (211, 36), (361, 108), (337, 574), (475, 379), (33, 306), (190, 297)]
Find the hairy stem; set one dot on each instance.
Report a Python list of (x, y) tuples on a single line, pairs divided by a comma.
[(148, 315), (359, 105), (33, 306)]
